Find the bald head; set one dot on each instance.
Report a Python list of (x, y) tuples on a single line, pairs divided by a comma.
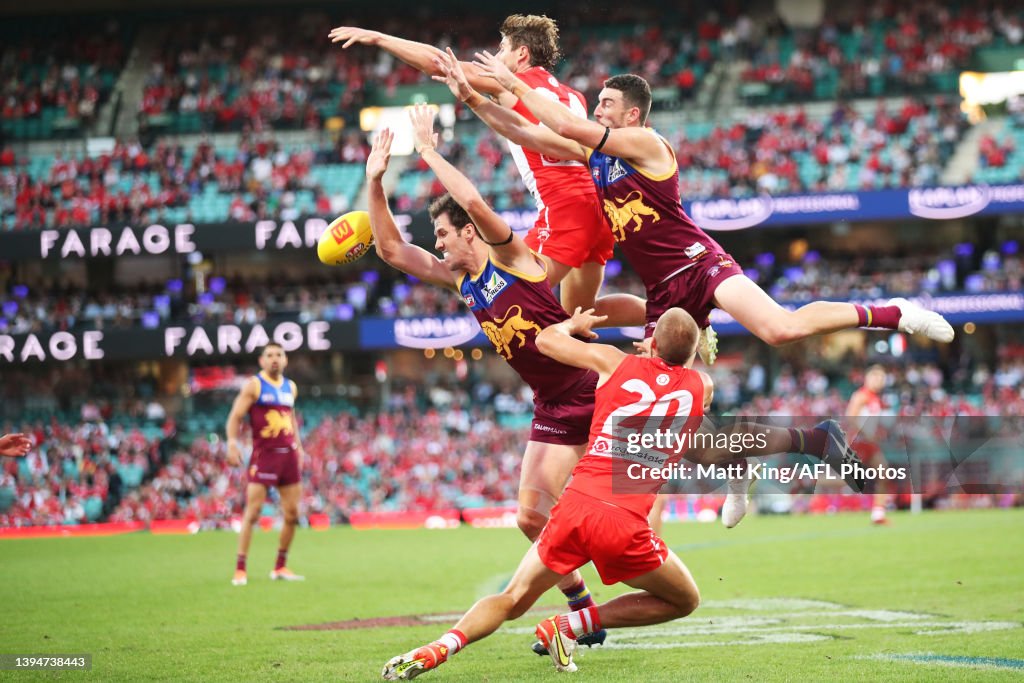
[(675, 337)]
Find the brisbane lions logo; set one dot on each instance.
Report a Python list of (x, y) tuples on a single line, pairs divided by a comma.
[(628, 212), (502, 332), (277, 424)]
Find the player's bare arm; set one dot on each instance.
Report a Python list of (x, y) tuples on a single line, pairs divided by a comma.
[(636, 144), (419, 56), (509, 249), (247, 395), (503, 120), (559, 342), (709, 389), (15, 445), (387, 238)]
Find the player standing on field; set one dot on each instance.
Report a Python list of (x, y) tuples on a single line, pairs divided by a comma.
[(866, 404), (570, 232), (269, 400), (504, 284)]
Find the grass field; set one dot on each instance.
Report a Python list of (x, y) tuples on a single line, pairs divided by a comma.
[(939, 596)]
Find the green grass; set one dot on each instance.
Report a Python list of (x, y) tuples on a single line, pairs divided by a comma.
[(162, 608)]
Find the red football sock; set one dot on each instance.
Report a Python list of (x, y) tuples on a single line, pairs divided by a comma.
[(282, 558), (240, 563), (454, 640), (579, 623), (886, 317)]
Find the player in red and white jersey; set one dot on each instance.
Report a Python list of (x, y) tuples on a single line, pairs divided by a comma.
[(636, 175), (602, 515), (866, 404), (570, 231)]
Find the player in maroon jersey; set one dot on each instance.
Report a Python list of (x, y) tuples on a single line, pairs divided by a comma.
[(569, 231), (504, 285), (15, 445), (602, 515), (268, 399), (866, 404), (636, 174)]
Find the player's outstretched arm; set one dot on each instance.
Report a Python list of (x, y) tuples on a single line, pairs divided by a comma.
[(630, 143), (505, 121), (419, 56), (387, 238), (247, 395), (509, 249), (559, 342), (15, 445)]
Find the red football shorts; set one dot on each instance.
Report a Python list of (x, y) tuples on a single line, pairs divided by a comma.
[(573, 233), (620, 543), (274, 467)]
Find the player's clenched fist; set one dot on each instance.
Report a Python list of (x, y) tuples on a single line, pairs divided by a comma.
[(15, 445)]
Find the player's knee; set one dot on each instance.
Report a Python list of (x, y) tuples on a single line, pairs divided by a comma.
[(530, 522), (291, 517), (252, 513), (688, 602)]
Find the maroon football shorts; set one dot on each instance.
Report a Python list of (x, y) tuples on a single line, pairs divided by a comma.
[(274, 467), (693, 290)]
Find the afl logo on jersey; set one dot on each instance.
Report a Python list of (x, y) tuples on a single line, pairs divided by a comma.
[(552, 81), (661, 380)]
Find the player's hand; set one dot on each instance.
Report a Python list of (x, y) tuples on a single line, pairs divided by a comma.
[(494, 68), (643, 348), (424, 137), (582, 322), (351, 35), (15, 445), (452, 75), (380, 155), (234, 455)]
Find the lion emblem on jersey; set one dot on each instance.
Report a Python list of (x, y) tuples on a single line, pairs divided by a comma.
[(512, 327), (277, 424), (628, 212)]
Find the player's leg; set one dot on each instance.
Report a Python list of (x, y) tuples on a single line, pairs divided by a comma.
[(531, 580), (740, 297), (290, 495), (545, 471), (667, 592), (255, 496)]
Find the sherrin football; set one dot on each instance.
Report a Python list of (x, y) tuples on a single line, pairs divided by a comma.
[(346, 239)]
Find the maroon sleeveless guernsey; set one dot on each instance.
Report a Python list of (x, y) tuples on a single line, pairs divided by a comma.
[(647, 219), (271, 416), (512, 308)]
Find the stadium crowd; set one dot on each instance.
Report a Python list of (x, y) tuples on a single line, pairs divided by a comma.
[(350, 293), (448, 446)]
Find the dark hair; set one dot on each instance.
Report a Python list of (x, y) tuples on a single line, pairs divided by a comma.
[(636, 92), (538, 33), (446, 204), (676, 336), (270, 345)]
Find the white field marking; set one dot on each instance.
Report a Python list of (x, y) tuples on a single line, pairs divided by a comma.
[(781, 620)]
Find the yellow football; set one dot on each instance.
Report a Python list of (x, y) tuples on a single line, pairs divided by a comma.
[(346, 239)]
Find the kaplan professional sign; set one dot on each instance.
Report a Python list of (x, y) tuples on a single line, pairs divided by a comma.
[(933, 203), (191, 341), (161, 240)]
